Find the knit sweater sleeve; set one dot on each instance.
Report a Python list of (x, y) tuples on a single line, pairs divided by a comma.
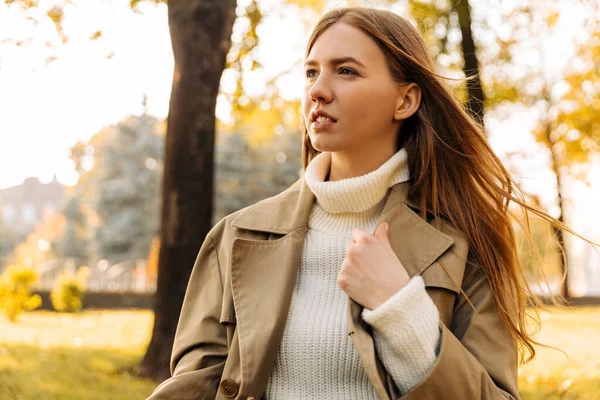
[(407, 333)]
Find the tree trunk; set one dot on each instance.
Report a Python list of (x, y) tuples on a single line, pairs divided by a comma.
[(201, 37), (558, 233), (476, 97)]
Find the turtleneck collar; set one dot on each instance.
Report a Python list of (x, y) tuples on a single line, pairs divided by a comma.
[(354, 194)]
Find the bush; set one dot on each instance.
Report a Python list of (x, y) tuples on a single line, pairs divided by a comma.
[(15, 291), (67, 294)]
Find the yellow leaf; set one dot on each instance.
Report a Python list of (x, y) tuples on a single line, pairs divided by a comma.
[(552, 18), (96, 35)]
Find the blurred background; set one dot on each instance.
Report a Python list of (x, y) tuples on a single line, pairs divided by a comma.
[(128, 128)]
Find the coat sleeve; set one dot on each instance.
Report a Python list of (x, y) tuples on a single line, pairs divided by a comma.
[(478, 358), (200, 346)]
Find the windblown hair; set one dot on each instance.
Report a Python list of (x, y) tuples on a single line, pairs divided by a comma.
[(454, 171)]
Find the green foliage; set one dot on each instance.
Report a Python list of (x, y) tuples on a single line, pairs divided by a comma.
[(569, 122), (8, 241), (242, 53), (127, 204), (578, 121), (15, 291), (435, 21), (246, 175), (67, 294), (73, 241), (120, 169)]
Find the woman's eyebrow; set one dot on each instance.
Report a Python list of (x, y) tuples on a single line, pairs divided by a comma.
[(337, 61)]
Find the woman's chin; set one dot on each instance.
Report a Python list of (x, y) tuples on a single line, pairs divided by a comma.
[(324, 147), (323, 143)]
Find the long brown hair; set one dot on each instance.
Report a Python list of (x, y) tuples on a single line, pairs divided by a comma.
[(454, 171)]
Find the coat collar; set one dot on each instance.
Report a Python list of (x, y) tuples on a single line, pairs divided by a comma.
[(290, 209), (416, 243), (280, 214)]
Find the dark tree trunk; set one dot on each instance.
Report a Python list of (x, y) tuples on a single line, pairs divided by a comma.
[(476, 97), (200, 36)]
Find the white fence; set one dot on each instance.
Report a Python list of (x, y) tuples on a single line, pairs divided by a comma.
[(125, 276)]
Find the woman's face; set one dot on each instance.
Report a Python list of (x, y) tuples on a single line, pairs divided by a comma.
[(347, 78)]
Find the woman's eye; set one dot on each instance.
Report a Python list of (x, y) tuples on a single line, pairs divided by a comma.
[(346, 71), (310, 72)]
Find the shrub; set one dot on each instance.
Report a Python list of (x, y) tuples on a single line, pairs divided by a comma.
[(15, 291), (67, 294)]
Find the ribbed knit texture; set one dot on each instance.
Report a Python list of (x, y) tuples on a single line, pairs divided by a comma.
[(407, 333), (316, 359)]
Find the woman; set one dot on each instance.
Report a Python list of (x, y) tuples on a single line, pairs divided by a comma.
[(293, 297)]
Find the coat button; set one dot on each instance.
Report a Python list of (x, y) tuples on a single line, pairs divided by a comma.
[(229, 388)]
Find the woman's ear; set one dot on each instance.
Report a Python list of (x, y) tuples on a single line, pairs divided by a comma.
[(409, 100)]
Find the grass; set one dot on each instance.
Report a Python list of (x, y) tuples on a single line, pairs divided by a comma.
[(92, 356), (552, 375)]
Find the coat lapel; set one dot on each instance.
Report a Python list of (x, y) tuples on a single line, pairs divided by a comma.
[(263, 275)]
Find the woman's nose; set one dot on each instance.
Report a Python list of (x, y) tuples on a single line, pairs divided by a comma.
[(320, 91)]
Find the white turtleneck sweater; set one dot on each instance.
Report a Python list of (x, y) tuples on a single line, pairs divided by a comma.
[(316, 358)]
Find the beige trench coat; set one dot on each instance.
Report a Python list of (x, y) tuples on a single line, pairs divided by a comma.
[(239, 294)]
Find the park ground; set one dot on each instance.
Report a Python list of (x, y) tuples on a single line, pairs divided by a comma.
[(93, 355)]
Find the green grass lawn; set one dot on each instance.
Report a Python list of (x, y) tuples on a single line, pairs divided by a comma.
[(551, 375), (92, 356)]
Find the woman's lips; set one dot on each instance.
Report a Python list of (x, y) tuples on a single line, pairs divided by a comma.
[(323, 125)]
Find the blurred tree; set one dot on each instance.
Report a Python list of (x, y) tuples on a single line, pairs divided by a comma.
[(247, 174), (570, 128), (127, 186), (544, 250), (578, 117), (241, 57), (200, 35), (285, 155), (475, 95), (117, 193), (36, 11), (8, 241), (256, 117), (74, 241), (566, 101), (436, 20)]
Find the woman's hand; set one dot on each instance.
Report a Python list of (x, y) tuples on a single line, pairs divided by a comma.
[(371, 273)]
